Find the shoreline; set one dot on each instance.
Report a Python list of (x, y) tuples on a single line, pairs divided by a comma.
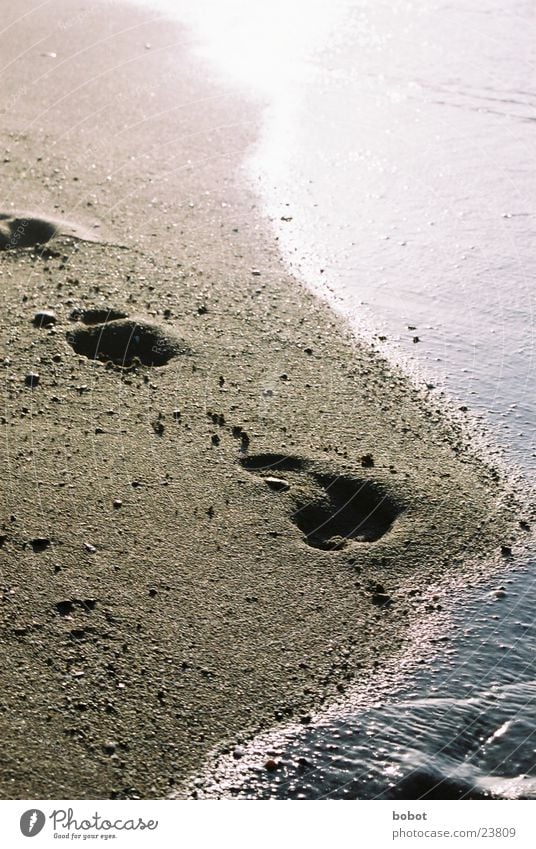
[(143, 633)]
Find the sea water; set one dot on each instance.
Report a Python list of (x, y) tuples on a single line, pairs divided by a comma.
[(396, 164)]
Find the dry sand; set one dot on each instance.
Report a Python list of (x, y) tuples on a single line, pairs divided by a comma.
[(180, 482)]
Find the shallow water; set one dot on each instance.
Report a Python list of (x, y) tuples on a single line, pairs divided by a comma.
[(396, 162)]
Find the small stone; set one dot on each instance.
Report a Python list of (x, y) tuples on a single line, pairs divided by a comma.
[(109, 747), (277, 484), (44, 318), (506, 551), (31, 379), (367, 461), (117, 503), (271, 765), (255, 272), (90, 548), (416, 339)]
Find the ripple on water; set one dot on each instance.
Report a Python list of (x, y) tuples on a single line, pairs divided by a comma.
[(442, 735)]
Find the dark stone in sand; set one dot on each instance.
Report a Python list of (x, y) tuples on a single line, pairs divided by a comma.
[(31, 379), (125, 341), (44, 318)]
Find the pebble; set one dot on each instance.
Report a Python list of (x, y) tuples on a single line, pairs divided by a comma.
[(277, 484), (117, 503), (90, 548), (31, 379), (44, 318)]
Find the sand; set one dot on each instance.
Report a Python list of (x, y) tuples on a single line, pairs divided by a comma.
[(218, 509)]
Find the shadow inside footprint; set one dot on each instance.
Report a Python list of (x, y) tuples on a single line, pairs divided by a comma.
[(349, 509), (126, 341), (97, 315), (272, 463), (330, 510), (20, 232)]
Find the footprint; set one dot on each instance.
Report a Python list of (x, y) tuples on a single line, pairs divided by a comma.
[(23, 230), (125, 341), (330, 510)]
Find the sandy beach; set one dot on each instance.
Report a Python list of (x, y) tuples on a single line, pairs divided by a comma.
[(218, 509)]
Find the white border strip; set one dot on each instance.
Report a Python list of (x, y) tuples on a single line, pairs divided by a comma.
[(367, 824)]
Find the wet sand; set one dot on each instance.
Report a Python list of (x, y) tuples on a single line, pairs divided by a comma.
[(218, 509)]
